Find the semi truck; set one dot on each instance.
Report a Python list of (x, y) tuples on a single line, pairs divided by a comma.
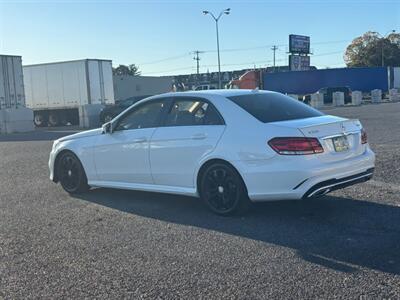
[(307, 82), (55, 91)]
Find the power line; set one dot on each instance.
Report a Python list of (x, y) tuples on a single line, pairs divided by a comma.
[(185, 55), (244, 49), (269, 61), (328, 53), (246, 63), (332, 42), (167, 71), (250, 63), (165, 59)]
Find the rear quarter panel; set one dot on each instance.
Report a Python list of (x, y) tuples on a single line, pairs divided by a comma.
[(244, 142), (245, 138)]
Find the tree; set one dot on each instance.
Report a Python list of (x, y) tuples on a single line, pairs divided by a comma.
[(132, 70), (371, 50)]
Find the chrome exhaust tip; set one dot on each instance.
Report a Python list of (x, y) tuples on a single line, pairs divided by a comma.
[(326, 191), (320, 193)]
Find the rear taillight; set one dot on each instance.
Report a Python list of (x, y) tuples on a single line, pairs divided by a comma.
[(364, 138), (296, 145)]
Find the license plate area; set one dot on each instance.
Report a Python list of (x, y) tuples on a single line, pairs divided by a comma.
[(340, 143)]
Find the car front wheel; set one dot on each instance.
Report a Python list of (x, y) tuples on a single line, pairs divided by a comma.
[(71, 174), (223, 190)]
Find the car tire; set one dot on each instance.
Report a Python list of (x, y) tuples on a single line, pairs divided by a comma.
[(39, 120), (71, 174), (64, 120), (53, 119), (223, 191)]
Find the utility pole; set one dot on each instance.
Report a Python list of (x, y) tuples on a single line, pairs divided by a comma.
[(274, 48), (382, 41), (197, 59)]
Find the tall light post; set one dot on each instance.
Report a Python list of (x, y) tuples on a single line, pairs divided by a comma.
[(216, 19), (382, 44)]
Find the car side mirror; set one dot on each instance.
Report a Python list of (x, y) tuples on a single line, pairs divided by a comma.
[(107, 128)]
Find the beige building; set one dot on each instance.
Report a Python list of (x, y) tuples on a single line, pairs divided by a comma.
[(126, 86)]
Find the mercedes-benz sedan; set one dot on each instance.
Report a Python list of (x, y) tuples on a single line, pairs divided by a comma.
[(228, 147)]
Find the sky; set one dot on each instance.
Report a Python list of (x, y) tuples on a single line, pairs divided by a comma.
[(159, 36)]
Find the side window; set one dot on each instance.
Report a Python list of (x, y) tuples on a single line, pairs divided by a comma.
[(192, 112), (144, 116)]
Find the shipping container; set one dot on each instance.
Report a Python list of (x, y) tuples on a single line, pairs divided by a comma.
[(11, 82), (55, 91), (307, 82), (395, 77)]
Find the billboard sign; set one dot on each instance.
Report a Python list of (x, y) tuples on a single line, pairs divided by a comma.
[(299, 63), (299, 44)]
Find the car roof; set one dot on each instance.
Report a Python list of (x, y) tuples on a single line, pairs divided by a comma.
[(224, 93), (205, 93)]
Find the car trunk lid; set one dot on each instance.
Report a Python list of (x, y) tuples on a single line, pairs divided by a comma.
[(340, 138)]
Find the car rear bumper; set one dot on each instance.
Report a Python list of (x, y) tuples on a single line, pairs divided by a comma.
[(295, 178), (327, 186)]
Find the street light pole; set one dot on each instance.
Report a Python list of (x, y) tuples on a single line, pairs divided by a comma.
[(383, 43), (219, 59), (225, 11)]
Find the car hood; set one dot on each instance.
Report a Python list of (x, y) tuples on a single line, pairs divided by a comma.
[(82, 134)]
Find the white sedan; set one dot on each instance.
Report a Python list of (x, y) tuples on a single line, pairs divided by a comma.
[(228, 147)]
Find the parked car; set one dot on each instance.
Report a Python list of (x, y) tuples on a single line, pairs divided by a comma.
[(228, 147), (111, 111), (328, 94), (204, 87)]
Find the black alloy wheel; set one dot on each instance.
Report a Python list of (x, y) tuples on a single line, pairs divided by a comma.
[(223, 190), (71, 174)]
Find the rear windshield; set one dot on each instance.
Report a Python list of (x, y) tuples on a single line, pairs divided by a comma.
[(273, 107)]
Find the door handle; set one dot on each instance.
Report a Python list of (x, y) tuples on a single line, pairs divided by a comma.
[(199, 136), (140, 140)]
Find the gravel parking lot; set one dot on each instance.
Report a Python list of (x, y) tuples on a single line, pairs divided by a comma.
[(125, 244)]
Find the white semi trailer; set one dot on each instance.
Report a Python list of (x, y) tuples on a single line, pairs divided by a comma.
[(14, 117), (11, 83), (56, 91)]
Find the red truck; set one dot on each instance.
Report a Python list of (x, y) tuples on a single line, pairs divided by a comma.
[(249, 80)]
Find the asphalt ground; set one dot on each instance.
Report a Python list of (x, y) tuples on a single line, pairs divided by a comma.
[(125, 244)]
